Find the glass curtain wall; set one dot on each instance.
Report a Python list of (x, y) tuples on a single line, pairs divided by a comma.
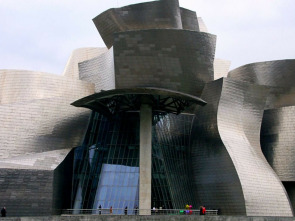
[(106, 170), (171, 186), (106, 167)]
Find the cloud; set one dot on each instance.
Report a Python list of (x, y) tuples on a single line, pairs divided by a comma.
[(41, 34)]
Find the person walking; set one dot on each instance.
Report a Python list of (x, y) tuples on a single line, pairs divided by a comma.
[(111, 210), (99, 210), (126, 210), (3, 212)]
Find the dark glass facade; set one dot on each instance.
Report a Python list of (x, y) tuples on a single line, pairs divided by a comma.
[(106, 167)]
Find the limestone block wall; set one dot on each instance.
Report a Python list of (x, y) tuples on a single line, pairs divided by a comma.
[(202, 25), (221, 68)]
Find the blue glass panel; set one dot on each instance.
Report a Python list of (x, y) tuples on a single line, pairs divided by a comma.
[(126, 178)]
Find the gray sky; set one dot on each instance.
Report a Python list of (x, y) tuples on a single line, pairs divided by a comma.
[(41, 34)]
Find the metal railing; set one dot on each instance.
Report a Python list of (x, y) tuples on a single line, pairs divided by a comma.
[(123, 211)]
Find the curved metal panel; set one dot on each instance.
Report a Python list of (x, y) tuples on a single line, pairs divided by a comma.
[(23, 86), (100, 71), (111, 102), (279, 73), (231, 124), (178, 60), (79, 55), (38, 117), (157, 14), (277, 141), (189, 20)]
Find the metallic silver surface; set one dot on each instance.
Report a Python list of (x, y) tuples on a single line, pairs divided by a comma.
[(112, 102), (279, 73), (99, 70), (36, 184), (36, 115), (230, 170), (79, 55), (157, 14), (37, 124), (178, 60), (277, 141)]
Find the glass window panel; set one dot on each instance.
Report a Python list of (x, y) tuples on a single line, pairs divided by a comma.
[(108, 195), (114, 192), (128, 169), (102, 193), (126, 178), (121, 204), (117, 179)]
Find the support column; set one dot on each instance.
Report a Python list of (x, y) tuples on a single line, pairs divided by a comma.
[(145, 160)]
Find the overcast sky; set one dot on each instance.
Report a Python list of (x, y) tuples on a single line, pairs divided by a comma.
[(41, 34)]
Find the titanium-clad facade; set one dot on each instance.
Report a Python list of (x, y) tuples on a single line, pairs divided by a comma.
[(179, 60), (229, 149)]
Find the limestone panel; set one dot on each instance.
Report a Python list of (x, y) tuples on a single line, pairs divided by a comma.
[(221, 68), (100, 71), (202, 25), (156, 14), (238, 112), (179, 60), (79, 55)]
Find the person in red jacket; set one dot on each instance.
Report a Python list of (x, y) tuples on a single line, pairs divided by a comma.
[(202, 210)]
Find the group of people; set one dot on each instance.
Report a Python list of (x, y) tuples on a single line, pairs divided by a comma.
[(188, 210), (125, 210)]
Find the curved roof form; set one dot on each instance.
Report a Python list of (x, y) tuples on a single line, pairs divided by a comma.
[(121, 100), (279, 73), (164, 14)]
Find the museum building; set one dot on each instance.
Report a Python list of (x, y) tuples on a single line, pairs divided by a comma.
[(152, 120)]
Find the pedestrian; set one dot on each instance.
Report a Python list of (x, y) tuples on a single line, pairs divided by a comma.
[(3, 212), (201, 210), (135, 210), (111, 210), (204, 210), (99, 209), (126, 210)]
